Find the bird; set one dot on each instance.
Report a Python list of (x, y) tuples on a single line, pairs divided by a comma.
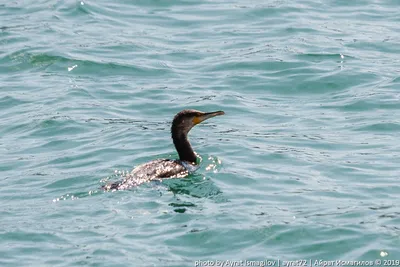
[(159, 169)]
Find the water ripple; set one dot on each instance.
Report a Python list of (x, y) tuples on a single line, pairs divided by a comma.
[(303, 166)]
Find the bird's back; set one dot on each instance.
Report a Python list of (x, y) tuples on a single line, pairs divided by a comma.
[(160, 168), (152, 170)]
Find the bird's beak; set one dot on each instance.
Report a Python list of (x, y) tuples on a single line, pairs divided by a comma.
[(206, 116)]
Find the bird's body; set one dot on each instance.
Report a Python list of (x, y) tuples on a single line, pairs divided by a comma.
[(152, 170), (169, 168)]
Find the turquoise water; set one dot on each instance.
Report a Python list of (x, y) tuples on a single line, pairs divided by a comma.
[(304, 165)]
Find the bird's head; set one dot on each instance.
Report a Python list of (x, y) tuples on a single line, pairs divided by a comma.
[(186, 119)]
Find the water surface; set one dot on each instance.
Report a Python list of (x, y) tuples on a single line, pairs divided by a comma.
[(303, 166)]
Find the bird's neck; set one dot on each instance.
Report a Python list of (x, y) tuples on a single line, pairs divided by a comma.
[(184, 148)]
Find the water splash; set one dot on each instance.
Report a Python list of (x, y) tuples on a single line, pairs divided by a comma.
[(75, 196), (73, 67), (215, 163)]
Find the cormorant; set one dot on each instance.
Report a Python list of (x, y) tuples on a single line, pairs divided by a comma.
[(169, 168)]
